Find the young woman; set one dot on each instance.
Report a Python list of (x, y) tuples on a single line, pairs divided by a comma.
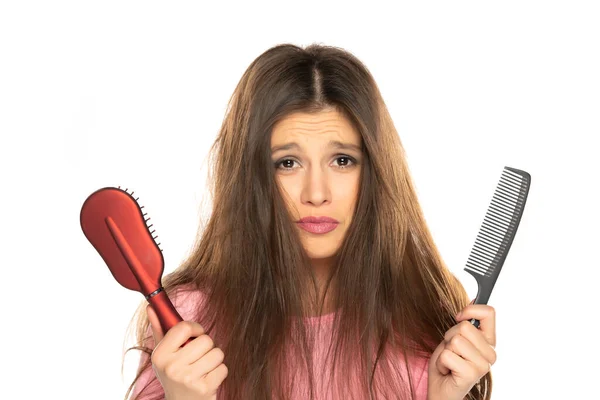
[(316, 276)]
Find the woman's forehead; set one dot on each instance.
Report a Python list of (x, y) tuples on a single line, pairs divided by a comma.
[(330, 127)]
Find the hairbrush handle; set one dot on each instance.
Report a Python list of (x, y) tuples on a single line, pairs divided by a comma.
[(165, 311)]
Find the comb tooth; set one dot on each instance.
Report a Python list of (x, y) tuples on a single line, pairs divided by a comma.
[(510, 181), (498, 213), (513, 177), (475, 262), (486, 245), (479, 270), (153, 231), (499, 218), (498, 232), (493, 232), (484, 268), (494, 220), (487, 240), (491, 235), (508, 187), (501, 209), (487, 250), (505, 198), (503, 202), (493, 247), (483, 260), (507, 180), (511, 172), (484, 254), (484, 264)]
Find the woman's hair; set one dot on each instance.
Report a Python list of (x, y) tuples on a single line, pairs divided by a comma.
[(393, 289)]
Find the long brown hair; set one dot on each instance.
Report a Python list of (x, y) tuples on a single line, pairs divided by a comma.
[(249, 262)]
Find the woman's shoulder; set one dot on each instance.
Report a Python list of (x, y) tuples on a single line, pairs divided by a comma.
[(187, 299)]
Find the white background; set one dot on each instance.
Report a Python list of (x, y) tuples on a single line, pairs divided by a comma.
[(96, 94)]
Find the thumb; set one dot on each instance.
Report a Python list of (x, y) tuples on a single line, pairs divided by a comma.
[(157, 333)]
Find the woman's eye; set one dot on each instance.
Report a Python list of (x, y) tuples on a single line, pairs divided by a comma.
[(287, 163), (348, 159)]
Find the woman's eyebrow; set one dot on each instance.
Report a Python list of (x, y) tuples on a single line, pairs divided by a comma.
[(332, 143)]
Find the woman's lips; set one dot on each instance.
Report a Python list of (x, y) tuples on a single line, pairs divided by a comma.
[(322, 227)]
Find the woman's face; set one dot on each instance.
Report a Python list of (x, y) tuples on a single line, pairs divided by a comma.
[(319, 175)]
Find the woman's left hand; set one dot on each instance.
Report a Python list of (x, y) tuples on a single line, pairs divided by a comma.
[(465, 355)]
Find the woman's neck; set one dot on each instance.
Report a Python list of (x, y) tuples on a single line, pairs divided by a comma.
[(322, 274)]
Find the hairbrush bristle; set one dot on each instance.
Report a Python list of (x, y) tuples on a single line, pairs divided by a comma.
[(144, 214)]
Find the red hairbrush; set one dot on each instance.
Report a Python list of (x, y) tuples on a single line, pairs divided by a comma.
[(113, 222)]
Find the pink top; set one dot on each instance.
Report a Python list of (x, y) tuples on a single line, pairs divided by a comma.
[(187, 302)]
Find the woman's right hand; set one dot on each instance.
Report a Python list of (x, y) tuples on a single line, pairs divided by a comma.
[(194, 371)]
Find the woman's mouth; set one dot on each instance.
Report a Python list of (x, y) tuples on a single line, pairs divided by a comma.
[(320, 227)]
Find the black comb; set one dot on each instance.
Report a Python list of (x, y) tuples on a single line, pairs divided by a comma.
[(497, 232)]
